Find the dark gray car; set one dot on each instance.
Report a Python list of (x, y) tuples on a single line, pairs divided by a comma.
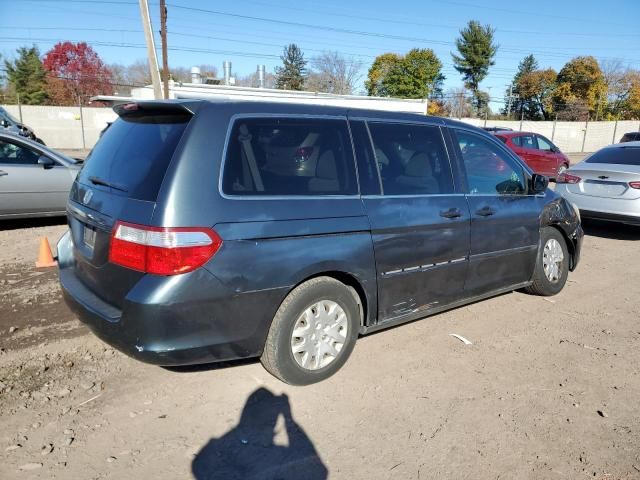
[(34, 180), (209, 231)]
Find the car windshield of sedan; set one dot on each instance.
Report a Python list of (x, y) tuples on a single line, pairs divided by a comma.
[(619, 156)]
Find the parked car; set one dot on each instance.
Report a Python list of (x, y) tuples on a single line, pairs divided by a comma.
[(10, 124), (209, 231), (606, 185), (537, 151), (34, 180), (630, 137)]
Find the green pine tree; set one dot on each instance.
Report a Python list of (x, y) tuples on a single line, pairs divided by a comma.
[(476, 50), (27, 77), (292, 74), (519, 104)]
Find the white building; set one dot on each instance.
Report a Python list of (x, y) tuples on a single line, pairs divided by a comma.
[(224, 90)]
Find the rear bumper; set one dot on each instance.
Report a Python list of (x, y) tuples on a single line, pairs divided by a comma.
[(603, 208), (181, 320), (611, 217)]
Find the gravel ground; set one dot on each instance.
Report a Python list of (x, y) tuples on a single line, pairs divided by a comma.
[(548, 389)]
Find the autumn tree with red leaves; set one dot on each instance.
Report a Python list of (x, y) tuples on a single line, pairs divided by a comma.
[(75, 73)]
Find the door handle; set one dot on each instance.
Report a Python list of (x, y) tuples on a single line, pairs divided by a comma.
[(3, 173), (451, 213), (485, 211)]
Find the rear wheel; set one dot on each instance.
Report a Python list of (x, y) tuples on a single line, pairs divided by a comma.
[(552, 265), (313, 332)]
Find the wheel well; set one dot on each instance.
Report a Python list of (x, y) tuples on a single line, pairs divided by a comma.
[(568, 241), (350, 281)]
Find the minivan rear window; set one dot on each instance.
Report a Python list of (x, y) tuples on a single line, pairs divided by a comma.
[(133, 154), (616, 155), (289, 156)]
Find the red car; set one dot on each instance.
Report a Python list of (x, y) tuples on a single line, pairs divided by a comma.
[(537, 151)]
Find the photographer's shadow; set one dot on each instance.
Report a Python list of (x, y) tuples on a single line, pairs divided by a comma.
[(248, 450)]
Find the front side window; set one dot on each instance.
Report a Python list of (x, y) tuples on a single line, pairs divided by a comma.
[(545, 145), (525, 141), (412, 159), (289, 156), (489, 169), (12, 154)]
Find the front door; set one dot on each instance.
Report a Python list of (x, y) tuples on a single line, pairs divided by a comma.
[(505, 219), (419, 224), (527, 150), (549, 157)]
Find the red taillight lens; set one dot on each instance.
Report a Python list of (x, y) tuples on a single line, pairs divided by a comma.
[(303, 154), (565, 177), (635, 185), (162, 251)]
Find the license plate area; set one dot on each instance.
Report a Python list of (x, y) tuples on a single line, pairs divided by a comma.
[(599, 188), (89, 236)]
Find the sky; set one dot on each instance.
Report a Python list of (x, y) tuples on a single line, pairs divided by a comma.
[(252, 32)]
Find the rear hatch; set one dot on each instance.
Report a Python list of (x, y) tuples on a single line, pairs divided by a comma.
[(609, 173), (120, 181)]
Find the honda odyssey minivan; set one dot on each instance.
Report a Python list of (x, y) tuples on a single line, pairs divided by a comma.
[(205, 231)]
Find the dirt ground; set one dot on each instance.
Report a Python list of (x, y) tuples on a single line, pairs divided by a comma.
[(548, 389)]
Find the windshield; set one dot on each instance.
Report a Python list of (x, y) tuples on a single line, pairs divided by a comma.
[(617, 155), (134, 154)]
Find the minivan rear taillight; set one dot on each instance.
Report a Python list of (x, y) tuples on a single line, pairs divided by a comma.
[(162, 251), (635, 185)]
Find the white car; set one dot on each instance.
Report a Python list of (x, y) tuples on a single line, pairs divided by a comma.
[(606, 185)]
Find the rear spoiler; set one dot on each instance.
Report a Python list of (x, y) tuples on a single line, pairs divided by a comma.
[(134, 109)]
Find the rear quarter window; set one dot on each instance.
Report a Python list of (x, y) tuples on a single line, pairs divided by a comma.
[(134, 154), (289, 156)]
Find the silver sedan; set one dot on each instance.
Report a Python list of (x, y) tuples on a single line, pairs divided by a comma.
[(606, 185), (34, 180)]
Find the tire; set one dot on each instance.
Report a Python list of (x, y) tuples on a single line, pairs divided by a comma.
[(550, 282), (306, 310)]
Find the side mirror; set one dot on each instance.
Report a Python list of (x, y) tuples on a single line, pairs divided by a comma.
[(4, 123), (539, 183), (45, 161)]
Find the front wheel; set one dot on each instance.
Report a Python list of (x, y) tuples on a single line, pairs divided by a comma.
[(552, 264), (313, 332)]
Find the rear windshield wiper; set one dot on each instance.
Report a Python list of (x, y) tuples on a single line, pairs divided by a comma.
[(99, 181)]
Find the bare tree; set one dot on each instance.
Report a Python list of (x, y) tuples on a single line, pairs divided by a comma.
[(251, 80), (458, 103), (334, 73), (138, 73), (619, 84)]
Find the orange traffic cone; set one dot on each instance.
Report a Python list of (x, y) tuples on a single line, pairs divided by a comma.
[(45, 258)]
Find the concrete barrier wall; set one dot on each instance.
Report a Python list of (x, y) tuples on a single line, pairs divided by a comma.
[(569, 136), (63, 127)]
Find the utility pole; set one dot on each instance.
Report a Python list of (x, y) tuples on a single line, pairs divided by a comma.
[(509, 101), (165, 57), (151, 49)]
